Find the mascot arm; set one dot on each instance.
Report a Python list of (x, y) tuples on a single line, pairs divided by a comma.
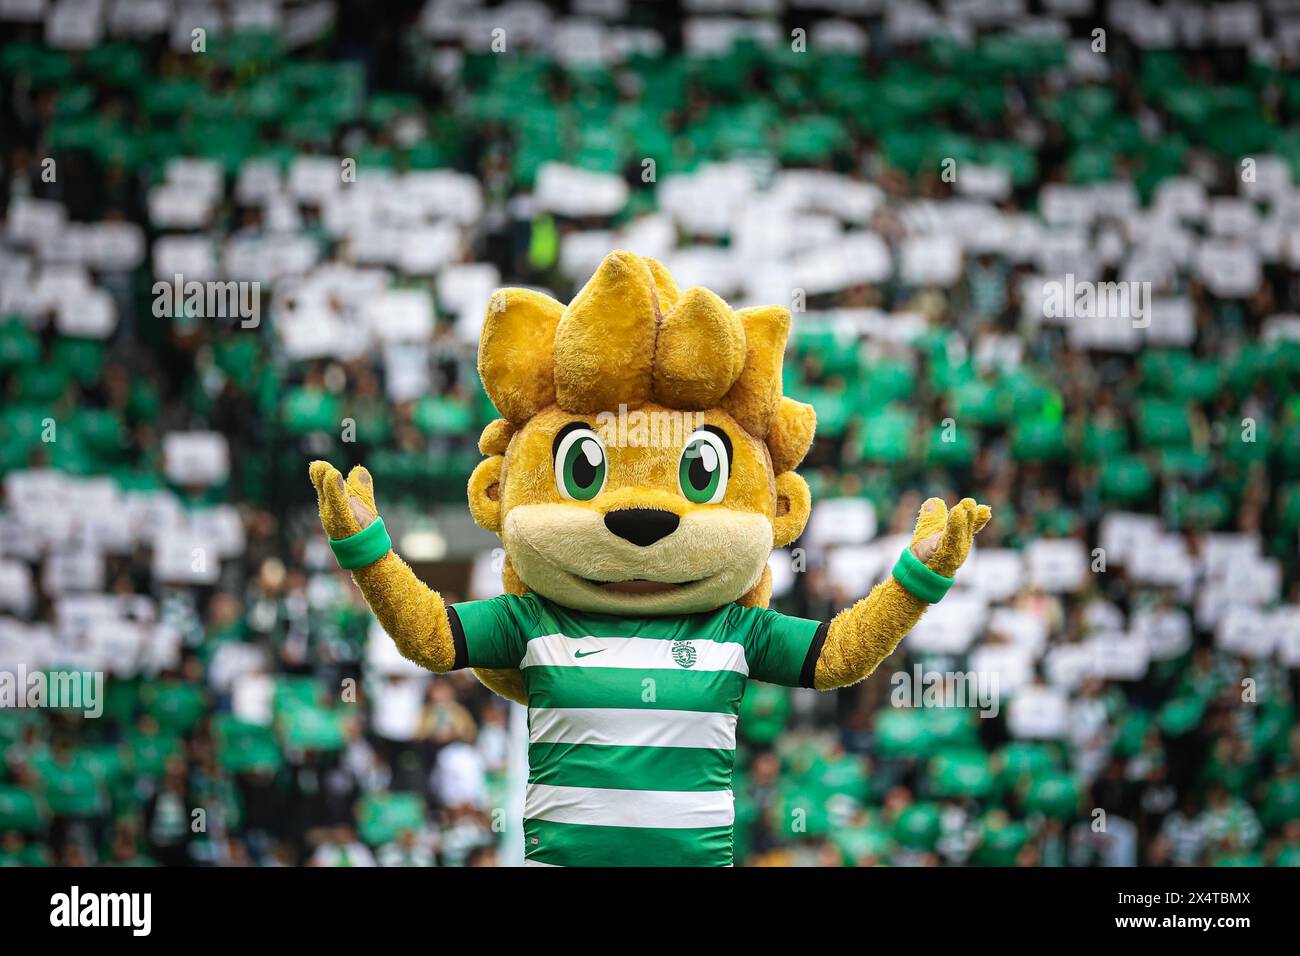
[(412, 613), (861, 636)]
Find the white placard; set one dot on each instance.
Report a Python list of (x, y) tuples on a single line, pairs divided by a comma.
[(840, 521), (314, 179), (1163, 560), (570, 191), (855, 569), (232, 660), (1246, 631), (1167, 632), (1117, 656), (116, 645), (401, 315), (1039, 713), (91, 315), (1173, 322), (406, 372), (1123, 532), (79, 570), (995, 573), (932, 260), (1012, 666), (710, 266), (196, 458), (1286, 621), (445, 194), (1057, 565), (1021, 628), (173, 206), (253, 698), (221, 527), (428, 249), (17, 590), (984, 182), (115, 246), (192, 257), (465, 290), (1231, 270), (180, 557), (707, 201), (950, 626)]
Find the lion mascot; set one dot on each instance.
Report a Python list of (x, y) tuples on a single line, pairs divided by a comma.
[(636, 576)]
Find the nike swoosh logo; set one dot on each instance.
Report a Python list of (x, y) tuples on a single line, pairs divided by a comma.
[(580, 654)]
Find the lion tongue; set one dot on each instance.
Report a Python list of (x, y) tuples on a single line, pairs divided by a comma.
[(638, 586)]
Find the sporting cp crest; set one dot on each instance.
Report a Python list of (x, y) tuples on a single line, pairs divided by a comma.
[(684, 653)]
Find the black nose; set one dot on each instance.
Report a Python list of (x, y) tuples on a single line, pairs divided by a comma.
[(642, 526)]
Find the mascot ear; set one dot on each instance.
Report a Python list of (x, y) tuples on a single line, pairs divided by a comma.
[(485, 493), (793, 505), (515, 352), (485, 481)]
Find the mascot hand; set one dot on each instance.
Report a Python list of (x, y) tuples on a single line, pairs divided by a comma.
[(346, 507), (412, 613), (861, 636), (942, 538)]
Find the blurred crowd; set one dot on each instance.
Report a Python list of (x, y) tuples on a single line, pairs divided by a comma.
[(908, 178)]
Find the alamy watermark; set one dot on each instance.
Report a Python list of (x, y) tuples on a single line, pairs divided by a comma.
[(923, 688), (638, 429), (209, 300), (1084, 299), (62, 690), (133, 911)]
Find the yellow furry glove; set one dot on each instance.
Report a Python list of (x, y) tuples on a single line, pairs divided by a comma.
[(861, 636), (345, 507), (942, 538), (412, 613)]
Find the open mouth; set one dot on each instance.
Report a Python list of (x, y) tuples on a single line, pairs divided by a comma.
[(638, 586)]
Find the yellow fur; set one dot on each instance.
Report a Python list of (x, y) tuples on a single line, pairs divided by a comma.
[(505, 683), (643, 365), (699, 352), (514, 356), (409, 610), (665, 287), (605, 341), (484, 489), (495, 437), (861, 636), (794, 504), (791, 435), (756, 397)]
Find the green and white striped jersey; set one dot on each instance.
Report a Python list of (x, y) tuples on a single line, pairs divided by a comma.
[(632, 721)]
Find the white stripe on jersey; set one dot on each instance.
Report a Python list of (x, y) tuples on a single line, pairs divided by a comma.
[(659, 809), (556, 650), (631, 727)]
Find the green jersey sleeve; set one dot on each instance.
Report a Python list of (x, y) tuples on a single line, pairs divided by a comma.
[(778, 648), (492, 633)]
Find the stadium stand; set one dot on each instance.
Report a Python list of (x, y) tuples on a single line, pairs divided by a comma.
[(917, 180)]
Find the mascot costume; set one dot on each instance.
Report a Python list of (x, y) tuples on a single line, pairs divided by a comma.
[(636, 572)]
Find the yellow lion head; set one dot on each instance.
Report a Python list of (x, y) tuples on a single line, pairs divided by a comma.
[(644, 462)]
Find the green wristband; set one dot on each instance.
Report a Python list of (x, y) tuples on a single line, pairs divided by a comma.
[(919, 581), (365, 547)]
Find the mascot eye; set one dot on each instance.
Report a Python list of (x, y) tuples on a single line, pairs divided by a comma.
[(579, 464), (704, 468)]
